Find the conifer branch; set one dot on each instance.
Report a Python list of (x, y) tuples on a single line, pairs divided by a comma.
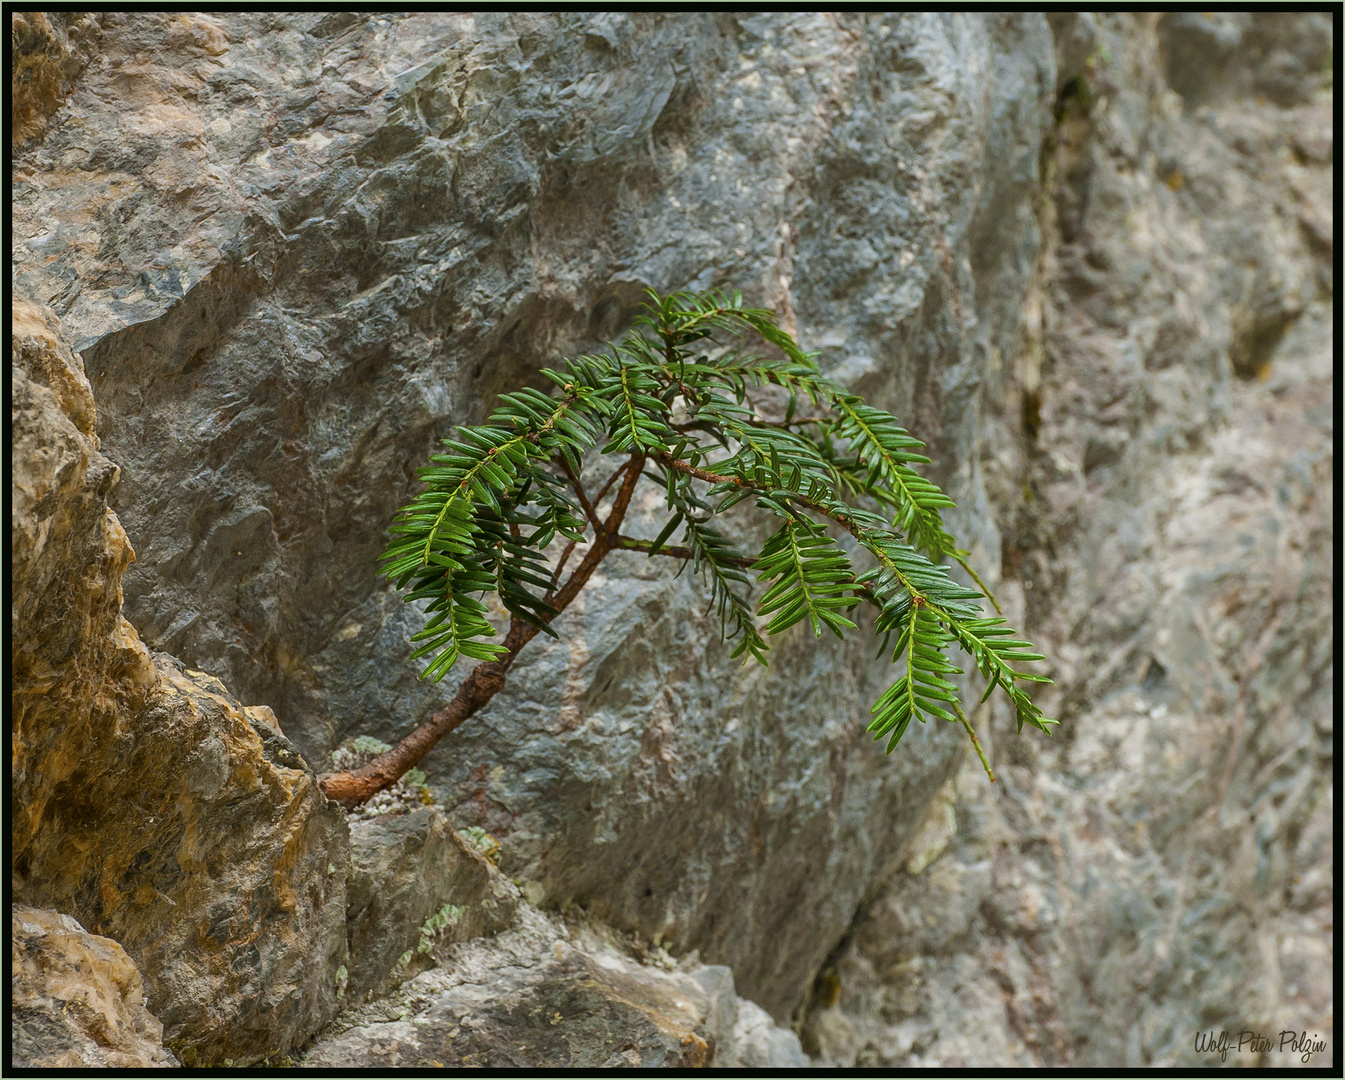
[(607, 484), (492, 506)]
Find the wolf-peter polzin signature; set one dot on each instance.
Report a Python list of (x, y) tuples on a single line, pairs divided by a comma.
[(1303, 1043)]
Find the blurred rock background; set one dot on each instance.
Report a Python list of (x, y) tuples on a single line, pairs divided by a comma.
[(1089, 259)]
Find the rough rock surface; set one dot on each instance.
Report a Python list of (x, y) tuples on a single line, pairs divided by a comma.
[(759, 1043), (549, 993), (48, 50), (1164, 867), (406, 870), (77, 1001), (295, 249), (146, 802)]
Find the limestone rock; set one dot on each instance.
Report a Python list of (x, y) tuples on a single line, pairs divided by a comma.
[(1089, 257), (147, 802), (76, 1000), (547, 994), (318, 241), (1214, 57), (413, 880), (1159, 869), (757, 1043)]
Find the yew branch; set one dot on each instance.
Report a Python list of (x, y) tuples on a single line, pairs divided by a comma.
[(350, 789)]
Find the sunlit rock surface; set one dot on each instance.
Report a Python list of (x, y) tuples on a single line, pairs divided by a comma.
[(76, 1000), (147, 803)]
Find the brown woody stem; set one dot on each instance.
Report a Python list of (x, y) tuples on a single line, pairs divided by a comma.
[(560, 566), (629, 543), (597, 500), (843, 520), (350, 789)]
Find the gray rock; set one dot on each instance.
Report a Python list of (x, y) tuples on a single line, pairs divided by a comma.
[(48, 50), (406, 870), (1160, 868), (759, 1044), (317, 241), (556, 994), (76, 1000), (1215, 57), (330, 238)]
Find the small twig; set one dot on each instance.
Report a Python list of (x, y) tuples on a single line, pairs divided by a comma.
[(589, 511), (555, 576), (702, 474), (844, 520), (676, 551), (629, 543), (796, 420), (620, 469), (633, 469), (974, 741), (977, 578)]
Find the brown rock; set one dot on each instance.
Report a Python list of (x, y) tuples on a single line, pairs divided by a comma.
[(77, 1000), (68, 553), (48, 50), (146, 801), (45, 356)]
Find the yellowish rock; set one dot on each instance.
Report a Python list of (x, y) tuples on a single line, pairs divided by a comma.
[(148, 803), (77, 999)]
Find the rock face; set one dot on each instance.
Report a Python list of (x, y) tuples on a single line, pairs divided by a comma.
[(547, 994), (406, 870), (1089, 259), (1165, 866), (77, 1001), (147, 803), (316, 242)]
